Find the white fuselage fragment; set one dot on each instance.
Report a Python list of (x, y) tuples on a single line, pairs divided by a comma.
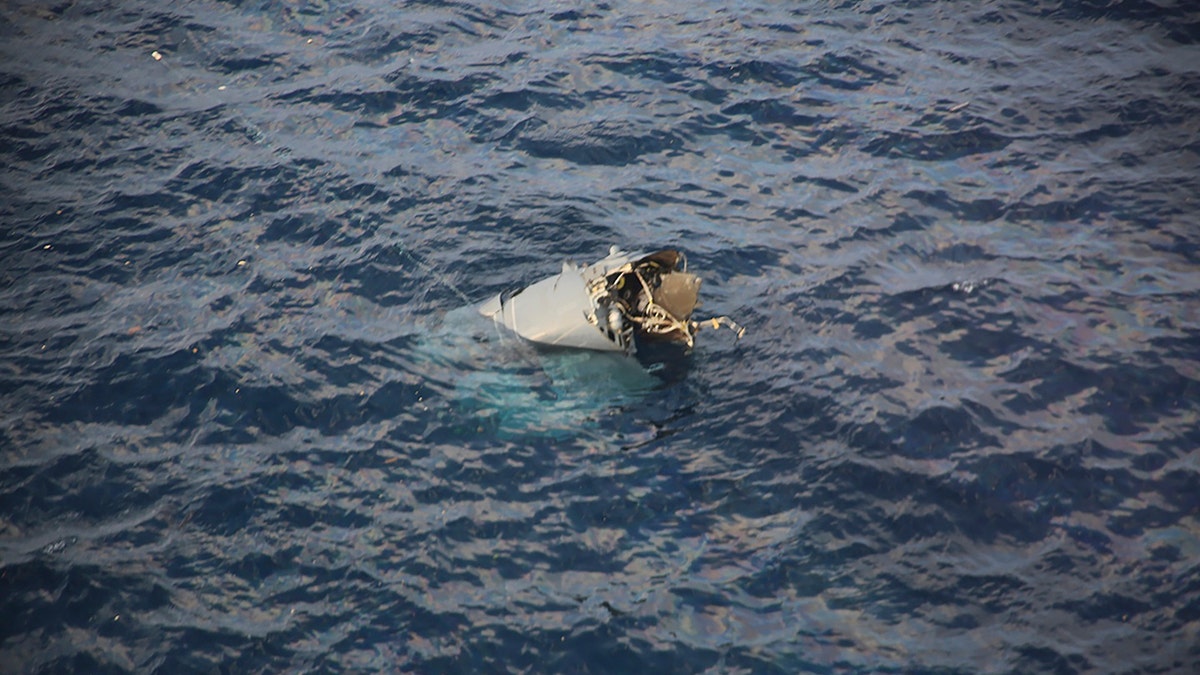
[(599, 306)]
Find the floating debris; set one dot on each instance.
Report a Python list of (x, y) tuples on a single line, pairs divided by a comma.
[(609, 305)]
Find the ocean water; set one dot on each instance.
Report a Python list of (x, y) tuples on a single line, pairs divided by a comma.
[(248, 423)]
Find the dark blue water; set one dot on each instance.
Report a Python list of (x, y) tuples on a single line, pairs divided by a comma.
[(242, 429)]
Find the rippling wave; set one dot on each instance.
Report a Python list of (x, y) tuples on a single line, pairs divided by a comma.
[(251, 423)]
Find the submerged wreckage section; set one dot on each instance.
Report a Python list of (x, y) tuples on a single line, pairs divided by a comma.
[(609, 305)]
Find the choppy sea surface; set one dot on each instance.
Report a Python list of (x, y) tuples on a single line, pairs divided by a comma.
[(249, 424)]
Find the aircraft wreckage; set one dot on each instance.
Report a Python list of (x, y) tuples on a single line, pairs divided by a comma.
[(614, 304)]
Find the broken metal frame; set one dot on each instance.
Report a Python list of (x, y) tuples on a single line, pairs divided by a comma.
[(650, 295)]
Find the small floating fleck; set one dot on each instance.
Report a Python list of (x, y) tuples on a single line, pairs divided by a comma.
[(155, 55)]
